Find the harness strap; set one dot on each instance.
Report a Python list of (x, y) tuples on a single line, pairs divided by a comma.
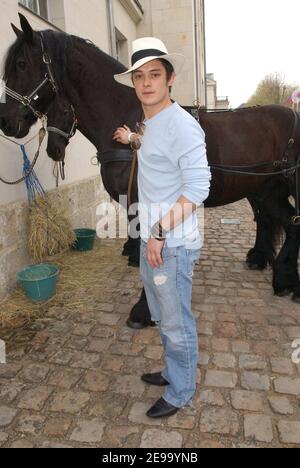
[(47, 61), (117, 155), (131, 178), (283, 172), (60, 132)]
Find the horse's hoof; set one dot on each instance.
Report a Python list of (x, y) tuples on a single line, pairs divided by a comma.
[(256, 266), (133, 264), (139, 325), (283, 293), (296, 299), (253, 266)]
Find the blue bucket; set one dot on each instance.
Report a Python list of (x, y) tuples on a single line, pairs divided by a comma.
[(39, 281)]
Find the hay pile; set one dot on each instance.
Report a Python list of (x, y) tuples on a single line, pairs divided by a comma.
[(50, 232), (88, 283)]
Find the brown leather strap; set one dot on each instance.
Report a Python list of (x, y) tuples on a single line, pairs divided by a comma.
[(131, 178), (132, 171)]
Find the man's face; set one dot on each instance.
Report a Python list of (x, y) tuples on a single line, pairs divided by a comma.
[(151, 84)]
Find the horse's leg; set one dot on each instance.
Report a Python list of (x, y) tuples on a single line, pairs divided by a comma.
[(132, 246), (134, 257), (127, 247), (274, 213), (263, 252), (285, 268), (286, 273), (131, 249), (140, 316), (296, 290)]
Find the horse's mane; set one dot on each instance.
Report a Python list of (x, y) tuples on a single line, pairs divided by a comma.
[(56, 44), (10, 58), (111, 61)]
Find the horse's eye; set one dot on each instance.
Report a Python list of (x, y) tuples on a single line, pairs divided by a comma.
[(66, 112), (21, 64)]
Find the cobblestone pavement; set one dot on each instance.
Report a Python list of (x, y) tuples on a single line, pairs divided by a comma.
[(73, 376)]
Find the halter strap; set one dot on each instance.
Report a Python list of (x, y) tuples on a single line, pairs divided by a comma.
[(27, 101), (66, 135)]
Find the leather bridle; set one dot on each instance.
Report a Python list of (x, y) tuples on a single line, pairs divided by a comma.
[(66, 135), (32, 99)]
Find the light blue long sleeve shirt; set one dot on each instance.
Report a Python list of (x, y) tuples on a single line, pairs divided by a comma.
[(172, 162)]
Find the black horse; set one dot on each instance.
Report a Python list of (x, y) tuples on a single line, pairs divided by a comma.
[(61, 123), (61, 126), (268, 136)]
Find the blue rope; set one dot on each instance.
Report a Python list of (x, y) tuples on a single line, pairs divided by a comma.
[(33, 186)]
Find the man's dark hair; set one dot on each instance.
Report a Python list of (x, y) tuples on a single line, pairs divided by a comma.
[(169, 69)]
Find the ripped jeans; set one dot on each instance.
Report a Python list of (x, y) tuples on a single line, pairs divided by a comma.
[(169, 296)]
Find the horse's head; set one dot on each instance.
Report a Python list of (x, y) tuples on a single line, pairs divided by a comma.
[(30, 85), (62, 125)]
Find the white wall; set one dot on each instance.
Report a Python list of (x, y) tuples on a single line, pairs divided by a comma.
[(88, 19), (126, 27), (80, 150)]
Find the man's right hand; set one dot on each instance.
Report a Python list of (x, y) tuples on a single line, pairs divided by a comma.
[(121, 135)]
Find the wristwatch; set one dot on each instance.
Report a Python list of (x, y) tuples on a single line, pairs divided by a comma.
[(158, 232)]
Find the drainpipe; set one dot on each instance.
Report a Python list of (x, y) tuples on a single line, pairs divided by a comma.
[(196, 52), (111, 28), (198, 14), (204, 37)]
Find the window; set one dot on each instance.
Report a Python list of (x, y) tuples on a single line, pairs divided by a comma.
[(121, 48), (40, 7)]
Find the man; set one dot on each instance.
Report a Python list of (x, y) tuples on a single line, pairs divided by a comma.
[(174, 180)]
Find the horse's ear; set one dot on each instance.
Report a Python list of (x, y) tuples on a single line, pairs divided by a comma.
[(17, 31), (26, 28)]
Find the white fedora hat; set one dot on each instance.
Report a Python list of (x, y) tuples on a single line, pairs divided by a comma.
[(145, 50)]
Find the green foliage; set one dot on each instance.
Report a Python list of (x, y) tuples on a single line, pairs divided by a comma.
[(272, 90)]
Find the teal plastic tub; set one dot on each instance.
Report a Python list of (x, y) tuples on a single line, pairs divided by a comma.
[(39, 281), (85, 239)]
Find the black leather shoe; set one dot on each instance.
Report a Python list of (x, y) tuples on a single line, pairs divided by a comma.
[(155, 379), (162, 409)]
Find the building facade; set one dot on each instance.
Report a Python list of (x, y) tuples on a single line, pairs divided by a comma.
[(180, 24), (112, 25), (215, 102)]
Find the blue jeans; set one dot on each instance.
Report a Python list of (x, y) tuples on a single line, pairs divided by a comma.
[(169, 296)]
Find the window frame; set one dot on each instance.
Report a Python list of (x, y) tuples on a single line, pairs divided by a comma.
[(25, 3)]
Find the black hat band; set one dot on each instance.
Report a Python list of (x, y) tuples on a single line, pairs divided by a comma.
[(146, 53)]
